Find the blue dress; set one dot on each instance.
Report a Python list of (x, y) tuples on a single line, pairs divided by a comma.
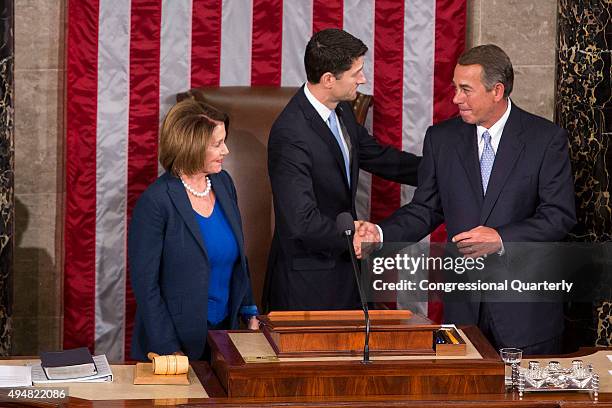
[(222, 250)]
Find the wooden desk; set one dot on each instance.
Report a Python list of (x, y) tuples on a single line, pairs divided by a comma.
[(566, 400), (218, 398), (396, 376)]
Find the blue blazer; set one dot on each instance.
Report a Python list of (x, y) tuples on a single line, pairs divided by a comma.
[(530, 198), (169, 268)]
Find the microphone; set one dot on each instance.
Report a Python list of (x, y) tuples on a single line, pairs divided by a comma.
[(346, 227)]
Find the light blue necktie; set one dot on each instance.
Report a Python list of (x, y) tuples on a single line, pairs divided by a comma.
[(332, 122), (486, 160)]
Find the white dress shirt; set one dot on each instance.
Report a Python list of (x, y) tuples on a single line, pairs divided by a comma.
[(495, 131), (324, 112)]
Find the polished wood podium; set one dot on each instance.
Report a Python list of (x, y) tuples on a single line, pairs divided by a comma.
[(342, 333), (315, 374)]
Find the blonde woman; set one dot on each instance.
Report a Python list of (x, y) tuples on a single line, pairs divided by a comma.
[(185, 245)]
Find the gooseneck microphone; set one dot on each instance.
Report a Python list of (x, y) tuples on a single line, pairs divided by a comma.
[(346, 227)]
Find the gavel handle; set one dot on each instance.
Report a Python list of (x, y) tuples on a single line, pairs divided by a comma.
[(151, 355)]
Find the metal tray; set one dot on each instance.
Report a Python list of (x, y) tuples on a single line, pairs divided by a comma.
[(553, 378)]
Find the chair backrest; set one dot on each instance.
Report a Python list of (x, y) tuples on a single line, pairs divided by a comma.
[(252, 112)]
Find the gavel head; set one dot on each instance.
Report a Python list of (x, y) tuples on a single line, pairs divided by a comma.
[(169, 365)]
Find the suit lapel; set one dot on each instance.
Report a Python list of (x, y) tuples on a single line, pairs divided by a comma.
[(224, 198), (179, 198), (321, 129), (510, 147), (353, 142), (468, 153)]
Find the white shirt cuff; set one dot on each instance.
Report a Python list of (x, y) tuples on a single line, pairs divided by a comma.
[(502, 251)]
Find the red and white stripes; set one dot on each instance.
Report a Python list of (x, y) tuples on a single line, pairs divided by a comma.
[(111, 168), (128, 59), (80, 211)]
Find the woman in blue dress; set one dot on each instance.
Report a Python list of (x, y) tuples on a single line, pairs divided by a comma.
[(186, 251)]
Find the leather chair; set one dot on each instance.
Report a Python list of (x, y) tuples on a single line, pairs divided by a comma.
[(252, 111)]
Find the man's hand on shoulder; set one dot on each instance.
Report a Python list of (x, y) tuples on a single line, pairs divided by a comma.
[(479, 241)]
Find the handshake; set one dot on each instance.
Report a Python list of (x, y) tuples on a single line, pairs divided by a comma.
[(364, 232), (477, 242)]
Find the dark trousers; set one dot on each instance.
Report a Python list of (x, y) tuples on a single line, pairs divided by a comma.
[(486, 324)]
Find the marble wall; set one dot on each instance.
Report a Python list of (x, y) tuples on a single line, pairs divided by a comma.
[(584, 108), (526, 31), (6, 173), (39, 93)]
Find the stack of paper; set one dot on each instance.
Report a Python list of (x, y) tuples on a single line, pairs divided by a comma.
[(68, 364), (15, 376), (104, 373)]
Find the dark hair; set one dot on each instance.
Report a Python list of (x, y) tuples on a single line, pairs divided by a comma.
[(185, 134), (331, 50), (496, 66)]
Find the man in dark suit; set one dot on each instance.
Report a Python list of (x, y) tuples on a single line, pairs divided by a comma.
[(495, 175), (315, 151)]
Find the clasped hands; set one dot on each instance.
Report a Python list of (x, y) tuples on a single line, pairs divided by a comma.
[(364, 232), (477, 242)]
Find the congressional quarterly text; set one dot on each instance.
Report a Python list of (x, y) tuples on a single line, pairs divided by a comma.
[(448, 287)]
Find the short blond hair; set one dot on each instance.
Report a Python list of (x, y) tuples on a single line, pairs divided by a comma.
[(185, 134)]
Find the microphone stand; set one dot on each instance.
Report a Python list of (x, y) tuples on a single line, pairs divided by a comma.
[(364, 304)]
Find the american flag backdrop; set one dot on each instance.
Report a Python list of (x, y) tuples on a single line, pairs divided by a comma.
[(126, 61)]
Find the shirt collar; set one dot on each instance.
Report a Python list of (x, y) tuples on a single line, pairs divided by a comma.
[(321, 109), (498, 127)]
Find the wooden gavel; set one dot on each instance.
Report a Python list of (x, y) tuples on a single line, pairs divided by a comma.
[(169, 365)]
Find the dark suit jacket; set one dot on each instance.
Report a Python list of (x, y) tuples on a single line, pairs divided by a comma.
[(530, 198), (169, 268), (309, 267)]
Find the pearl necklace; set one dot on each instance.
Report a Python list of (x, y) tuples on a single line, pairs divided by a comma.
[(196, 193)]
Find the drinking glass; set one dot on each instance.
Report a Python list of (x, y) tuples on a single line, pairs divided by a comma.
[(511, 358)]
